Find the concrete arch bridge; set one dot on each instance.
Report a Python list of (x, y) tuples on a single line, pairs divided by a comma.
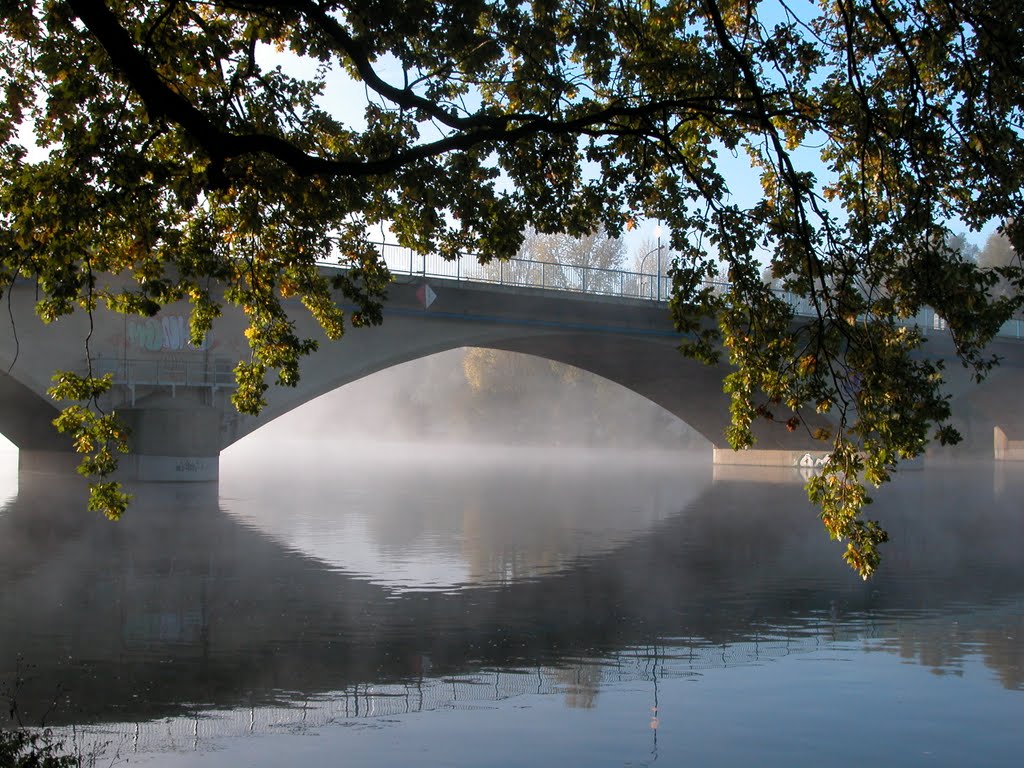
[(611, 323)]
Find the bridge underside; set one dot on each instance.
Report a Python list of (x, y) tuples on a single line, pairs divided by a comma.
[(690, 390), (26, 418), (989, 418)]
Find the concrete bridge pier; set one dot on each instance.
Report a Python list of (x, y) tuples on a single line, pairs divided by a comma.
[(803, 458), (173, 439), (56, 462), (1009, 444)]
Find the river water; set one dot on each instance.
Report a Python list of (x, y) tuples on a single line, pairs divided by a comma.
[(337, 605)]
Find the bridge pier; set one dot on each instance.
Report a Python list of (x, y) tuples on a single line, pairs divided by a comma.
[(773, 457), (168, 444), (1006, 448), (173, 439), (767, 465), (58, 462)]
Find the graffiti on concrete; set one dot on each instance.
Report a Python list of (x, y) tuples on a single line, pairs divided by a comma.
[(190, 466), (807, 461), (155, 334), (810, 465)]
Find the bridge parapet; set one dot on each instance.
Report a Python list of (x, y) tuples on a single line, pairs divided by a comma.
[(527, 273), (599, 281)]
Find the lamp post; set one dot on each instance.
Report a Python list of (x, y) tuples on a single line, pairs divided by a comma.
[(657, 233)]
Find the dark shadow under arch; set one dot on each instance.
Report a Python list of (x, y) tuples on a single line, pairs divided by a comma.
[(26, 419)]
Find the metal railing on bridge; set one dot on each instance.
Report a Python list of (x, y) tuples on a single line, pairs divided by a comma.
[(210, 373), (528, 273), (598, 281)]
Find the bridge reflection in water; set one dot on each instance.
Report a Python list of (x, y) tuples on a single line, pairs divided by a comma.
[(188, 623)]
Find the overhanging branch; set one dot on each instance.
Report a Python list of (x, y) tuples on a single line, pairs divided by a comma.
[(162, 101)]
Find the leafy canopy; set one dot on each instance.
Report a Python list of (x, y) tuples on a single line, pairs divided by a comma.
[(189, 145)]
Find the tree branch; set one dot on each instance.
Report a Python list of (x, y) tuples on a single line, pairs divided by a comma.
[(162, 101)]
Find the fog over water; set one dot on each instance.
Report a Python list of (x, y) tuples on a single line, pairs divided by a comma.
[(472, 525), (484, 396), (525, 414), (451, 600)]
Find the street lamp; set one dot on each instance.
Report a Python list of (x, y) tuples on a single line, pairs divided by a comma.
[(657, 234)]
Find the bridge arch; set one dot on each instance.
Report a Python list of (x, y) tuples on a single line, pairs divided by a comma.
[(176, 400), (647, 364), (483, 394)]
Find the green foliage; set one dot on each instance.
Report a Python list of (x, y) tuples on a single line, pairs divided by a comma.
[(163, 142), (95, 435), (22, 748)]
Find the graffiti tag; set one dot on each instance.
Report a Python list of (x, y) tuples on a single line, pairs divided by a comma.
[(159, 333), (807, 461), (810, 465), (187, 466)]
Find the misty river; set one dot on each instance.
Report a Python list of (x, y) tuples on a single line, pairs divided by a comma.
[(405, 605)]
